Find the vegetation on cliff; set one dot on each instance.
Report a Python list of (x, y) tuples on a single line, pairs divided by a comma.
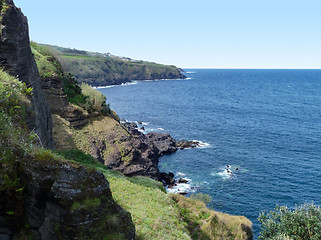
[(33, 203), (50, 70), (99, 69)]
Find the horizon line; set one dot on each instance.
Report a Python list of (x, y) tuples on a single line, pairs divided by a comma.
[(250, 68)]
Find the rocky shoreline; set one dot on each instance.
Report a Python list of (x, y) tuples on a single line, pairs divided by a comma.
[(165, 144)]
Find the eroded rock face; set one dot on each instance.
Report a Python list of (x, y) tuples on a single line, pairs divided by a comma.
[(17, 59), (118, 148), (63, 200)]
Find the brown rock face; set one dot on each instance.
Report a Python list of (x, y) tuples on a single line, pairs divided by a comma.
[(17, 59), (118, 148)]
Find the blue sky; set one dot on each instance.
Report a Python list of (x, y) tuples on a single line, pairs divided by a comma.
[(200, 34)]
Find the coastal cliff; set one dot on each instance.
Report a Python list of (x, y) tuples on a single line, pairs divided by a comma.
[(67, 194), (98, 69)]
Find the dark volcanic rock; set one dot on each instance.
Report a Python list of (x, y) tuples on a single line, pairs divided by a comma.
[(17, 59), (182, 180), (163, 142), (167, 178), (183, 144), (131, 126), (166, 144), (65, 201), (121, 149)]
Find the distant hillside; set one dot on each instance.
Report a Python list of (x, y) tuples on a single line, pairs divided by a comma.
[(100, 69)]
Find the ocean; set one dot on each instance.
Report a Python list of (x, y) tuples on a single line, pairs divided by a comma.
[(265, 123)]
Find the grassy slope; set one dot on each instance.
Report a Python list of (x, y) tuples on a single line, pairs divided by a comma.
[(154, 213)]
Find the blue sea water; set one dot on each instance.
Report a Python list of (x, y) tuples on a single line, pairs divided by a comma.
[(266, 123)]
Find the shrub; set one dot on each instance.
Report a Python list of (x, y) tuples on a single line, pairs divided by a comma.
[(73, 91), (81, 157), (303, 222), (96, 101)]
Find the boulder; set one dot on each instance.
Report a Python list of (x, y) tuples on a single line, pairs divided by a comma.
[(182, 180), (61, 200), (164, 143), (167, 178)]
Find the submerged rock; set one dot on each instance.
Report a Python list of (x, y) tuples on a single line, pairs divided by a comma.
[(182, 180), (184, 144)]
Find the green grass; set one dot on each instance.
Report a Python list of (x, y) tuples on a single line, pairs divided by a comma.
[(79, 56), (154, 213)]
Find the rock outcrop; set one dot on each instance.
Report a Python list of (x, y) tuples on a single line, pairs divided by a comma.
[(16, 58), (119, 148), (164, 143), (61, 200)]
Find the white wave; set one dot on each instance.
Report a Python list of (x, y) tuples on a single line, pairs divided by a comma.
[(129, 83), (162, 129), (190, 72), (227, 172), (202, 144), (180, 174), (178, 79), (224, 174), (145, 123), (181, 188), (165, 79), (102, 87)]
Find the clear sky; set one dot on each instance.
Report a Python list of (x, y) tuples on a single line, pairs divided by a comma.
[(198, 33)]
